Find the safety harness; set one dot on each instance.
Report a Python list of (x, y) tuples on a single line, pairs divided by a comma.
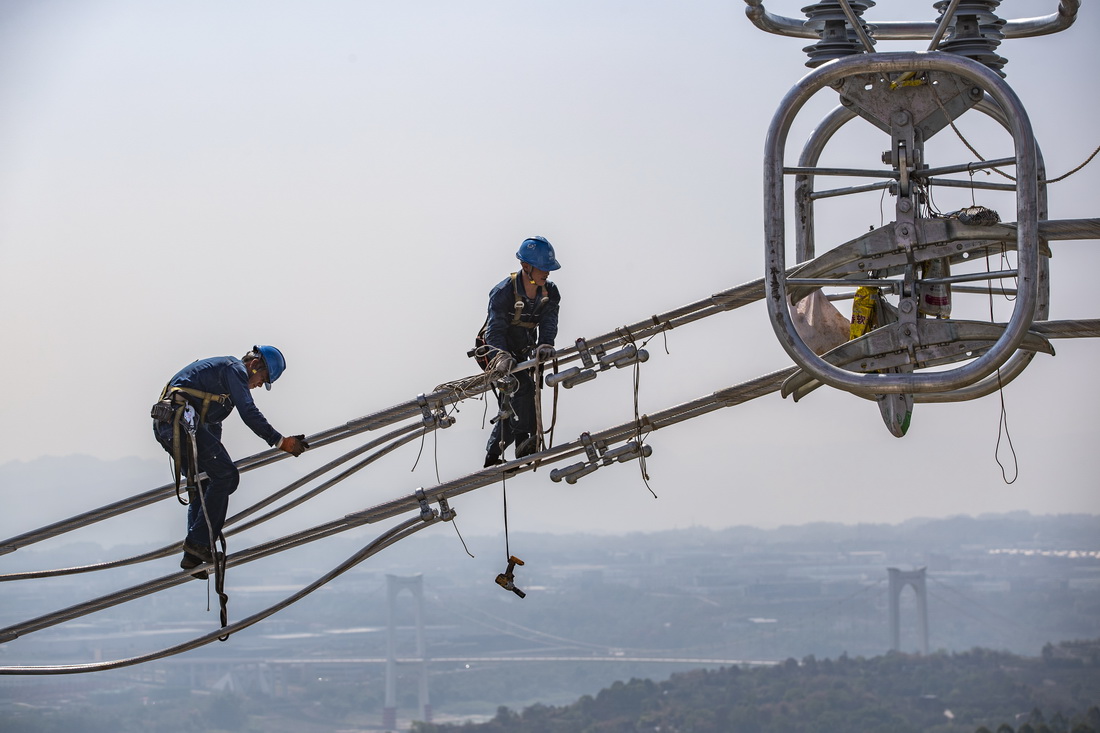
[(174, 407), (481, 350)]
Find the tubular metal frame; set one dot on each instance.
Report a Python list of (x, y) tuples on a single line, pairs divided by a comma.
[(1019, 126), (903, 30)]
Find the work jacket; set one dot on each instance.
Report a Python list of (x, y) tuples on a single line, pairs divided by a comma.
[(537, 326), (225, 375)]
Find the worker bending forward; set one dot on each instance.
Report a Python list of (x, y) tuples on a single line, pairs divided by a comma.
[(212, 388), (522, 323)]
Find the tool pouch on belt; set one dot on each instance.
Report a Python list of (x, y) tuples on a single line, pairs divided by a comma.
[(175, 410), (163, 411)]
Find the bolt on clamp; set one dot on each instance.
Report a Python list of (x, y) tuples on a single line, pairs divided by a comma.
[(445, 511), (426, 512), (589, 354)]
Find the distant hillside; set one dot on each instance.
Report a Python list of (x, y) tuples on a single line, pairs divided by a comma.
[(942, 693)]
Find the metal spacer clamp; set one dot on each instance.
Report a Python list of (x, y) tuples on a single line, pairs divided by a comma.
[(426, 512)]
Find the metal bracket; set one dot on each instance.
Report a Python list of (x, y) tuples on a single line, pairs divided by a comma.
[(599, 455), (428, 416), (426, 512), (568, 378), (445, 511), (589, 356)]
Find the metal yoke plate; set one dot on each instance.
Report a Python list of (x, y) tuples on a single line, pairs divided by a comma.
[(875, 98)]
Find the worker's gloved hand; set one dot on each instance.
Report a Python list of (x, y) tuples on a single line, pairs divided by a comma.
[(544, 352), (503, 364), (295, 445)]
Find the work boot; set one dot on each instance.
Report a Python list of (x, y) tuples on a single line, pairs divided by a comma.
[(526, 446), (493, 459), (193, 556)]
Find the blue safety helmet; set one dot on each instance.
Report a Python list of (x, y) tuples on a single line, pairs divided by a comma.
[(274, 360), (539, 253)]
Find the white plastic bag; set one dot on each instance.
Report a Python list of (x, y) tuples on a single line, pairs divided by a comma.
[(819, 323)]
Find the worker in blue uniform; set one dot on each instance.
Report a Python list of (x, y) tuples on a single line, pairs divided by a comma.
[(202, 395), (522, 323)]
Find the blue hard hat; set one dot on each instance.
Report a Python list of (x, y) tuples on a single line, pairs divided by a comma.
[(538, 252), (274, 360)]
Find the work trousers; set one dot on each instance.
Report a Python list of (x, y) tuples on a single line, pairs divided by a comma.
[(222, 479), (522, 423)]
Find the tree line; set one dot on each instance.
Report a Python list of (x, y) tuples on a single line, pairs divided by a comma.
[(978, 691)]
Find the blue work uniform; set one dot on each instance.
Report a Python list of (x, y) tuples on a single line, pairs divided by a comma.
[(538, 325), (219, 375)]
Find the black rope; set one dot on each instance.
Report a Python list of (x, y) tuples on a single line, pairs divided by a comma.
[(219, 584), (504, 492), (638, 437), (1002, 419)]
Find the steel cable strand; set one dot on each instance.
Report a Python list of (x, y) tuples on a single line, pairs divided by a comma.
[(397, 442), (452, 392), (174, 548), (726, 300), (160, 493), (727, 397), (1077, 328), (262, 550), (94, 567), (385, 540), (1070, 229)]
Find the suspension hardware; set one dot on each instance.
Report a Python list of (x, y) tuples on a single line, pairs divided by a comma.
[(507, 386), (438, 417), (629, 354), (589, 354), (445, 511), (426, 512), (625, 356), (425, 411), (599, 455)]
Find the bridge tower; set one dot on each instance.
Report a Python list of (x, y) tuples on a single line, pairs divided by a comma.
[(415, 585), (898, 580)]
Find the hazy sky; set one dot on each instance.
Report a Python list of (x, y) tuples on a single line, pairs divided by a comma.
[(347, 180)]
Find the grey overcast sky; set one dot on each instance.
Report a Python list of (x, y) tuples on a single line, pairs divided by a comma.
[(347, 180)]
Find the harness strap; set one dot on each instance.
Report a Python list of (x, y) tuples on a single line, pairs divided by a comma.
[(206, 397), (188, 469), (541, 299)]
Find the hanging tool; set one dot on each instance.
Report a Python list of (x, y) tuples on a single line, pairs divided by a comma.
[(507, 580)]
